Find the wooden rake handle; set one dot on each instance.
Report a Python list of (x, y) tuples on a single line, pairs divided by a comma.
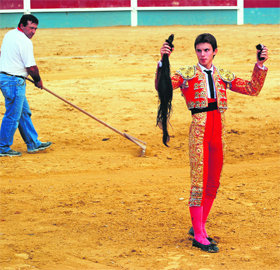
[(140, 143)]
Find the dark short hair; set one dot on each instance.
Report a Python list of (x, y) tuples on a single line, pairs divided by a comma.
[(28, 17), (206, 38)]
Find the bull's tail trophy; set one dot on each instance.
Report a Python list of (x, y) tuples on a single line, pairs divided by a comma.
[(165, 94)]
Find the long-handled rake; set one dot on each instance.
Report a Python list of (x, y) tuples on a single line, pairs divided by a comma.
[(140, 143)]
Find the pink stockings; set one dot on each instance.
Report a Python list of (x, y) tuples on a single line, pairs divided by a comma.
[(199, 215)]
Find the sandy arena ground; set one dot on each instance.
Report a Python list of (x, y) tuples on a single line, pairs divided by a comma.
[(90, 201)]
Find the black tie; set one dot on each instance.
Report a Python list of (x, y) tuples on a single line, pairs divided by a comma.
[(211, 84)]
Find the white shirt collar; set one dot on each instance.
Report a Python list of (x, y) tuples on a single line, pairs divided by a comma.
[(204, 68)]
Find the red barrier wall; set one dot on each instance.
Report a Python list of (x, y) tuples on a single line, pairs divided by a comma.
[(37, 4), (79, 3), (261, 3), (172, 3), (11, 4)]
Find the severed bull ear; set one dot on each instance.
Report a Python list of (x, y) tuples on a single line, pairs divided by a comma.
[(260, 48)]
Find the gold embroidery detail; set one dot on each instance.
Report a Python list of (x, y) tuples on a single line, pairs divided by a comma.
[(222, 104), (190, 105), (197, 130), (198, 86), (201, 77), (223, 133), (226, 75), (200, 104), (187, 72), (201, 94)]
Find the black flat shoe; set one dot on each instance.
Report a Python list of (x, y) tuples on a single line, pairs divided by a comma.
[(42, 146), (191, 231), (208, 248), (211, 240)]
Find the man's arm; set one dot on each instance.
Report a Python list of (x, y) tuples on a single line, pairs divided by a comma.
[(165, 49), (34, 73), (254, 86), (176, 80)]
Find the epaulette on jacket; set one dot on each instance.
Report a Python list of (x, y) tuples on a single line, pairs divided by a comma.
[(226, 75), (187, 72)]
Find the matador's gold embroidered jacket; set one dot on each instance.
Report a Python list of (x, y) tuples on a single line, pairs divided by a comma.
[(192, 82)]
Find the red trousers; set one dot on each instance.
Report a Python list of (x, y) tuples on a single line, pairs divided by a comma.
[(206, 155)]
